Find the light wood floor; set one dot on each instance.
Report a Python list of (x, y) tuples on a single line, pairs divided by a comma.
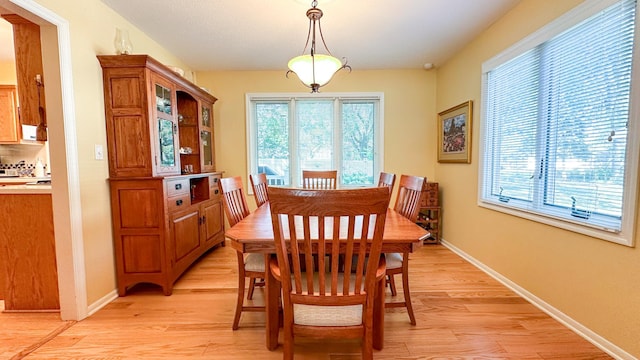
[(461, 312)]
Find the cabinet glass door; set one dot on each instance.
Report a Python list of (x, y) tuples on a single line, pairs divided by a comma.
[(167, 139), (206, 137), (206, 117), (167, 160), (163, 99), (207, 151)]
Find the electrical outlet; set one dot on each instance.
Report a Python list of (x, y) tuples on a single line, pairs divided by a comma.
[(99, 153)]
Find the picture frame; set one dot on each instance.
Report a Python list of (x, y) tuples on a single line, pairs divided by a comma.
[(454, 133)]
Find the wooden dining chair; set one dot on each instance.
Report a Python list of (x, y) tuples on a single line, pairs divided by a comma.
[(250, 266), (387, 180), (319, 179), (259, 185), (324, 302), (407, 204)]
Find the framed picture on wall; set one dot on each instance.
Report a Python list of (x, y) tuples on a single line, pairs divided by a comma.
[(454, 134)]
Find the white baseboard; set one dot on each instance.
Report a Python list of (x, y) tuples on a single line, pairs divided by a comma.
[(102, 302), (567, 321)]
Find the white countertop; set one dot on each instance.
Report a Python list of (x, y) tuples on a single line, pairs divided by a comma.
[(22, 179), (7, 185), (25, 189)]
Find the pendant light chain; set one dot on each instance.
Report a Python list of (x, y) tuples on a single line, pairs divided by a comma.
[(315, 69)]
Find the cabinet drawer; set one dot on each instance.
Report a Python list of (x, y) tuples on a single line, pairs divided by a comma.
[(430, 194), (177, 187), (431, 186), (214, 187), (180, 202), (214, 180), (429, 200)]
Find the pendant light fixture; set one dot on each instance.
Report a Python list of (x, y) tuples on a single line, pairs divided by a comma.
[(315, 69)]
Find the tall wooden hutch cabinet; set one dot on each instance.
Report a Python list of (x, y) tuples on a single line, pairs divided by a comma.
[(165, 203)]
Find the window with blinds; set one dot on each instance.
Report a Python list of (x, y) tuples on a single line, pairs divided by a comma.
[(558, 127)]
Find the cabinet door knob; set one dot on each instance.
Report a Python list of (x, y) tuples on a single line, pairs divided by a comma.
[(178, 186), (216, 192), (178, 202)]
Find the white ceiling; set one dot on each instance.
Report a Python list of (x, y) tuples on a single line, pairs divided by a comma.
[(265, 34)]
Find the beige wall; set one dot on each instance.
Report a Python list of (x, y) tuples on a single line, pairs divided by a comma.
[(595, 282), (7, 72), (92, 27), (409, 111)]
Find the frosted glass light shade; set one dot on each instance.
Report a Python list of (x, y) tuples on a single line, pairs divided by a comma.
[(325, 67)]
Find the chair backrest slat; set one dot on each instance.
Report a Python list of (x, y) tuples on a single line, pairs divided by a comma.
[(313, 226), (319, 179), (259, 184), (409, 196), (387, 179), (235, 203)]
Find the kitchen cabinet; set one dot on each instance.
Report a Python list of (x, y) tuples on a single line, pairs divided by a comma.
[(27, 253), (165, 201), (29, 73), (9, 123)]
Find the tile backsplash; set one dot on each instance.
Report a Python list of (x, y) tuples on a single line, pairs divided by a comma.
[(24, 157)]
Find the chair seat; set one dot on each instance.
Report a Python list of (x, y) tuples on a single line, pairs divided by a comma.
[(254, 262), (314, 315), (394, 260)]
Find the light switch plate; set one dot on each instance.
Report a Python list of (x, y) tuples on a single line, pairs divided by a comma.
[(99, 153)]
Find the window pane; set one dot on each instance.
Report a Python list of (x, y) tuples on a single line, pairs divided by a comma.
[(310, 132), (557, 122), (272, 124), (315, 135), (358, 119), (515, 116), (589, 108)]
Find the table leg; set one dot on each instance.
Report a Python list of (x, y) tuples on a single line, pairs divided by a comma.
[(272, 288), (378, 316)]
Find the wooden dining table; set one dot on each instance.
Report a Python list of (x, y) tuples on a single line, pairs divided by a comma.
[(254, 234)]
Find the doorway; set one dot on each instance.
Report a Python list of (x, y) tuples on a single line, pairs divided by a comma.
[(63, 152)]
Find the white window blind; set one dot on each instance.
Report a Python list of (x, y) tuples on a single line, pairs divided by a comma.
[(556, 123)]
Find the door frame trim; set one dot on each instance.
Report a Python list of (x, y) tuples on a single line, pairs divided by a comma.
[(66, 183)]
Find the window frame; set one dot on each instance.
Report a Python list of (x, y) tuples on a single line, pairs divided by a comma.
[(337, 97), (626, 235)]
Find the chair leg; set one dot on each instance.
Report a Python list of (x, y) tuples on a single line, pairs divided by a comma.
[(367, 353), (287, 348), (392, 285), (252, 285), (367, 340), (240, 301), (405, 288)]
